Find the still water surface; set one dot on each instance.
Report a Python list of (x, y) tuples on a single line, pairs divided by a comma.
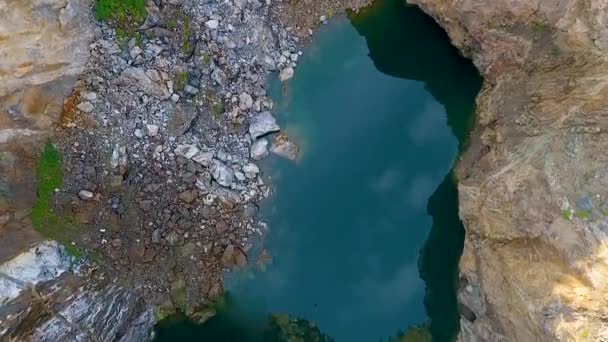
[(365, 235)]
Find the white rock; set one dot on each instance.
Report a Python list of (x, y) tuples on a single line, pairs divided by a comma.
[(259, 149), (135, 51), (186, 151), (89, 96), (175, 98), (212, 24), (251, 170), (86, 106), (222, 173), (262, 124), (44, 261), (294, 57), (245, 101), (286, 74), (85, 195), (152, 130), (138, 133), (204, 158), (239, 176), (119, 156)]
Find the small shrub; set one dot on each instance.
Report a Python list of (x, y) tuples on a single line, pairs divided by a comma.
[(180, 82), (187, 47), (566, 214)]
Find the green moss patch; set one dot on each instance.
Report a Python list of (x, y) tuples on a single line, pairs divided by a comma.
[(120, 11), (49, 223)]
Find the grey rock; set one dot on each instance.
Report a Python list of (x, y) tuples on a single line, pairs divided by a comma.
[(219, 76), (152, 130), (135, 51), (250, 210), (86, 107), (190, 90), (286, 74), (245, 101), (204, 158), (212, 24), (172, 238), (584, 203), (222, 174), (251, 170), (262, 124), (156, 236), (186, 151), (147, 81), (259, 149)]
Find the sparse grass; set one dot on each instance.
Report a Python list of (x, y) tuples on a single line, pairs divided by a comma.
[(206, 59), (49, 174), (539, 27), (180, 81), (122, 12), (217, 109), (582, 214), (187, 47)]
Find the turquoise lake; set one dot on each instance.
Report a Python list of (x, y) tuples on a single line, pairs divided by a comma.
[(364, 230)]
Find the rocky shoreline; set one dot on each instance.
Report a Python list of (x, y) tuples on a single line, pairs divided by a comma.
[(158, 127)]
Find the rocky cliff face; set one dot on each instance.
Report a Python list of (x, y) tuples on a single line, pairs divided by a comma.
[(41, 300), (533, 185)]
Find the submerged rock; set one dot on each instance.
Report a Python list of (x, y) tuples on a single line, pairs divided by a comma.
[(282, 146)]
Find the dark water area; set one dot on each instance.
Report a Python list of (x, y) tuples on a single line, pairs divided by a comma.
[(364, 228)]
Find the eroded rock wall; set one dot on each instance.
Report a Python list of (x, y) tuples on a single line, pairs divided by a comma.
[(533, 185)]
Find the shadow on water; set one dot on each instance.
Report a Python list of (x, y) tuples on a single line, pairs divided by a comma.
[(454, 82)]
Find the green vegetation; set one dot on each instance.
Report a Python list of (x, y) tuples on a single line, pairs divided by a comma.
[(420, 333), (123, 12), (49, 174), (217, 109), (180, 81), (582, 214), (187, 47), (206, 59), (566, 213), (539, 27)]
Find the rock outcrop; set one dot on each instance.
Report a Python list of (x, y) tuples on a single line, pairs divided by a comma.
[(45, 45), (532, 184), (41, 300)]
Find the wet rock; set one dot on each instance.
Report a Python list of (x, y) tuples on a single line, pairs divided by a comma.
[(240, 258), (222, 174), (250, 210), (286, 74), (228, 256), (262, 124), (282, 146), (259, 149)]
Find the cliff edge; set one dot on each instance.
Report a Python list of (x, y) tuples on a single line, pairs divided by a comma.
[(532, 183)]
